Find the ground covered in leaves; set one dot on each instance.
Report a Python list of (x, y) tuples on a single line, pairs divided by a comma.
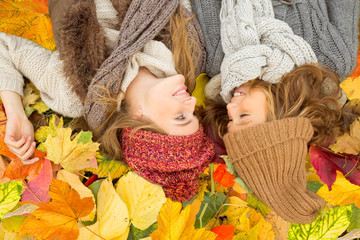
[(76, 191)]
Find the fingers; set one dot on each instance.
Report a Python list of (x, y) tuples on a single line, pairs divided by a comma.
[(25, 151), (25, 158), (10, 141)]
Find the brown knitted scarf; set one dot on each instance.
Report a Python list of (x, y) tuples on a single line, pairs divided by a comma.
[(143, 21)]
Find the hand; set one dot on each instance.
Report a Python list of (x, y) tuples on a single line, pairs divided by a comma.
[(19, 138)]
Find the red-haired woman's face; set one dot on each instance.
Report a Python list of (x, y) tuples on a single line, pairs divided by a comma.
[(164, 101), (247, 108)]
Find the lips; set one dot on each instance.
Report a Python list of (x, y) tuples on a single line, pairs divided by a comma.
[(181, 91), (239, 92)]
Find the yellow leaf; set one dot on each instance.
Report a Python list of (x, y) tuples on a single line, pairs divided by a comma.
[(351, 87), (112, 215), (175, 224), (40, 107), (199, 91), (76, 184), (43, 132), (349, 142), (342, 192), (29, 97), (142, 198), (235, 210), (70, 154)]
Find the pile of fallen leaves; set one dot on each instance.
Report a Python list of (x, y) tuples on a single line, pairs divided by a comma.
[(76, 191)]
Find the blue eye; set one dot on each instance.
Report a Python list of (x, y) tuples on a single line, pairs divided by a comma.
[(180, 117)]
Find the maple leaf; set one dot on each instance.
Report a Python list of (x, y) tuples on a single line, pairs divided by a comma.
[(10, 193), (59, 218), (76, 184), (16, 170), (109, 167), (142, 198), (176, 224), (199, 91), (112, 215), (327, 163), (25, 18), (342, 193), (328, 227), (223, 177), (70, 154), (224, 232), (349, 142), (43, 132), (37, 190)]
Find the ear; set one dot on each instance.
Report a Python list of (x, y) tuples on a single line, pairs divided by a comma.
[(137, 113)]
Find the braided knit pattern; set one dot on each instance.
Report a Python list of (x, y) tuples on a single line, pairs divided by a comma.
[(256, 44), (270, 158), (143, 21), (174, 162)]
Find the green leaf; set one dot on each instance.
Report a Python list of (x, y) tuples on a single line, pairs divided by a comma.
[(254, 202), (85, 137), (328, 227), (314, 186), (209, 208), (10, 194), (355, 218), (94, 187), (137, 234), (12, 224)]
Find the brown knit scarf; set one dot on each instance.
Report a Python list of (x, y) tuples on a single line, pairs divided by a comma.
[(143, 21)]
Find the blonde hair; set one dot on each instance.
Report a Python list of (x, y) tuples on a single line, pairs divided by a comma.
[(183, 47), (298, 94)]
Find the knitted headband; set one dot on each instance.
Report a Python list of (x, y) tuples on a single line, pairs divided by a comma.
[(174, 162), (256, 44), (143, 21), (270, 158)]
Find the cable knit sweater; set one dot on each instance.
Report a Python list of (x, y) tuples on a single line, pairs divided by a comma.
[(329, 26)]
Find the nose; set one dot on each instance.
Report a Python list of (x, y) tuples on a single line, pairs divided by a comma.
[(177, 79), (233, 111)]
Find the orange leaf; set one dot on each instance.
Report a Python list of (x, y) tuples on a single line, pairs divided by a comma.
[(223, 177), (16, 170), (4, 150), (59, 218), (224, 232)]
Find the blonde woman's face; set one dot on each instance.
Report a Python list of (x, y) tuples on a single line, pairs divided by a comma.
[(164, 101), (247, 108)]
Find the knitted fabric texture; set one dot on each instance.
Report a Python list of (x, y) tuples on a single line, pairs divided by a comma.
[(270, 158), (256, 44), (174, 162), (208, 15), (143, 21), (329, 26)]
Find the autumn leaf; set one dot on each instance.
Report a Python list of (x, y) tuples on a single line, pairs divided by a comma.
[(342, 193), (351, 86), (29, 99), (109, 167), (199, 91), (349, 142), (28, 19), (328, 227), (355, 218), (59, 218), (224, 232), (43, 132), (327, 163), (16, 170), (37, 190), (10, 194), (76, 184), (176, 224), (12, 224), (142, 198), (252, 225), (254, 202), (112, 215), (70, 154), (24, 209), (223, 177)]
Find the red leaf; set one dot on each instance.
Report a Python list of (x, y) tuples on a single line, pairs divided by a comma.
[(38, 188), (223, 177), (224, 232), (326, 163)]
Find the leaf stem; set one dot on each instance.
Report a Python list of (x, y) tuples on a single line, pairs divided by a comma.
[(26, 186), (212, 179), (202, 213), (79, 221)]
